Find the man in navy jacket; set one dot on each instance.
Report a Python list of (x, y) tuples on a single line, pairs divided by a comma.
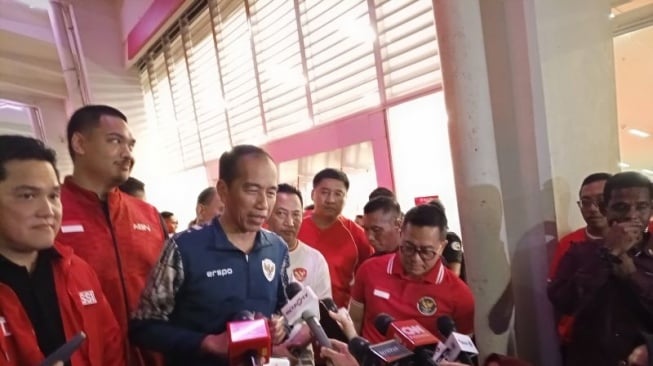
[(206, 276)]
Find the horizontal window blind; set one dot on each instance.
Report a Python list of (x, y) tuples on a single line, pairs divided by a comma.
[(205, 80), (235, 53), (278, 54), (409, 47), (246, 71)]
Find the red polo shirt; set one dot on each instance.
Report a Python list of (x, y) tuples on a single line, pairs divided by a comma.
[(382, 286), (344, 246)]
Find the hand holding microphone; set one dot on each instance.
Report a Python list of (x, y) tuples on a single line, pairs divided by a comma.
[(249, 340), (304, 305), (339, 355), (341, 316)]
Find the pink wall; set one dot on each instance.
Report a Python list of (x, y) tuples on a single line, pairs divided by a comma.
[(151, 21), (339, 134)]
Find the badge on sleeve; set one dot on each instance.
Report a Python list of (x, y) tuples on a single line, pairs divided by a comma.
[(269, 268), (427, 306)]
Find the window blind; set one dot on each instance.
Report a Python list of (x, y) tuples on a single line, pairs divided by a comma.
[(247, 71)]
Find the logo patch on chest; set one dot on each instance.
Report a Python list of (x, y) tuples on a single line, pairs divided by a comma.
[(299, 274), (427, 306), (87, 297), (269, 268), (142, 227), (3, 327)]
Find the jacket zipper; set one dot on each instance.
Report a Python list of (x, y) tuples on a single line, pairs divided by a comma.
[(105, 208)]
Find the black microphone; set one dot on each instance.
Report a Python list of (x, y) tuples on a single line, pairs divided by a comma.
[(410, 334), (447, 327), (388, 352)]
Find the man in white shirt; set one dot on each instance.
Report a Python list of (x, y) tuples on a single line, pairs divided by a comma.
[(307, 265)]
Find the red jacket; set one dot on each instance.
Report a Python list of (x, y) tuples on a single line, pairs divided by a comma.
[(83, 307), (131, 239)]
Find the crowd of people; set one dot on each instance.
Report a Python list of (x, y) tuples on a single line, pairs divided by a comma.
[(87, 253)]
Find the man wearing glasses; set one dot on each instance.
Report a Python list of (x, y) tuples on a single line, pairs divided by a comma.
[(412, 283)]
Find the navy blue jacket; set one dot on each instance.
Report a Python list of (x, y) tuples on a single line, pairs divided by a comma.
[(199, 283)]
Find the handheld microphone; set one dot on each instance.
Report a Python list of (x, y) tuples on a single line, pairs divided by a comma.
[(458, 347), (409, 333), (389, 352), (248, 339), (304, 305)]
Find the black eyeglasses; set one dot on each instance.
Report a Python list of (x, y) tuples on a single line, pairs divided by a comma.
[(587, 203), (425, 253)]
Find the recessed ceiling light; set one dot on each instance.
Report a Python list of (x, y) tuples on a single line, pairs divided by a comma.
[(623, 165), (639, 133), (611, 16)]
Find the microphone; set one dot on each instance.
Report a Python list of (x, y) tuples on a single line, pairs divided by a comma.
[(410, 334), (248, 339), (304, 305), (389, 352), (458, 347), (329, 304)]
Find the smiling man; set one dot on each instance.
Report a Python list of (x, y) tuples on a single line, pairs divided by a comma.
[(119, 235), (47, 294), (206, 276), (412, 283)]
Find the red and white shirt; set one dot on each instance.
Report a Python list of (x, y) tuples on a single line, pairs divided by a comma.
[(344, 246), (382, 286), (309, 267)]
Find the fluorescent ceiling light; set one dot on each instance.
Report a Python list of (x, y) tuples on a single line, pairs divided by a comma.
[(623, 165), (37, 4), (639, 133), (11, 106)]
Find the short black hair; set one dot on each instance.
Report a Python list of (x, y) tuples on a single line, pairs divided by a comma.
[(229, 160), (287, 188), (131, 186), (309, 207), (331, 173), (427, 215), (382, 203), (16, 147), (594, 177), (437, 203), (206, 196), (381, 192), (626, 180), (166, 214), (86, 118)]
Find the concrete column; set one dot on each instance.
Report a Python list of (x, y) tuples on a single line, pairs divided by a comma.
[(552, 114), (478, 183)]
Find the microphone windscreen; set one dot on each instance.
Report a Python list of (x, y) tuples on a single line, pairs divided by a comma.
[(446, 325), (358, 347), (329, 304), (293, 289), (382, 323)]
